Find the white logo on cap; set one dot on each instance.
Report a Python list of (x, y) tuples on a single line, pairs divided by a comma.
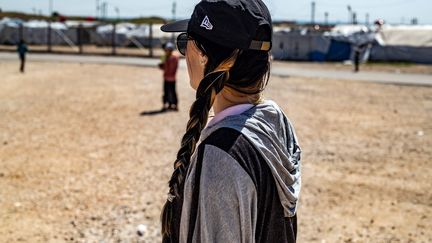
[(206, 23)]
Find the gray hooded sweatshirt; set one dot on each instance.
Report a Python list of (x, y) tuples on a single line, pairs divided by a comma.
[(243, 183)]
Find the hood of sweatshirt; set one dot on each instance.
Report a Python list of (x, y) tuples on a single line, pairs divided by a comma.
[(272, 134)]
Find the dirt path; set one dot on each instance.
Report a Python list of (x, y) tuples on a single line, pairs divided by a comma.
[(79, 162)]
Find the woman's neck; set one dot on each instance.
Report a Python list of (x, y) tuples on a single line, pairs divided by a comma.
[(227, 98)]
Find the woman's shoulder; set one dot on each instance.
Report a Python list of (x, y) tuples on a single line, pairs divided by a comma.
[(223, 138), (236, 147)]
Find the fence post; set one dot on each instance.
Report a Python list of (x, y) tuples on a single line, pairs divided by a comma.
[(113, 40), (49, 36), (21, 32), (151, 40), (79, 38)]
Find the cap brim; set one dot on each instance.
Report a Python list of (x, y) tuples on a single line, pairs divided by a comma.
[(178, 26)]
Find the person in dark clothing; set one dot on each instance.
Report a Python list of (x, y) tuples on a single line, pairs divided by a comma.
[(358, 50), (356, 59), (22, 51), (169, 65), (236, 178)]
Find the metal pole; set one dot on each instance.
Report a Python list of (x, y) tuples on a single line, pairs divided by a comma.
[(79, 38), (49, 26), (97, 9), (49, 36), (326, 15), (113, 41), (151, 40), (173, 11), (313, 13), (21, 32), (349, 14), (50, 7)]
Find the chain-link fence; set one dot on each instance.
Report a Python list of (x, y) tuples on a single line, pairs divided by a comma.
[(76, 37)]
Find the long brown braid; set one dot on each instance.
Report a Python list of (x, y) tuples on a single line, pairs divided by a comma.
[(207, 90)]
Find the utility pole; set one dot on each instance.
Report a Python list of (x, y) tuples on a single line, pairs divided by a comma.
[(313, 12), (367, 19), (50, 12), (326, 15), (117, 10), (355, 18), (97, 9), (349, 14), (173, 11), (50, 7), (104, 7)]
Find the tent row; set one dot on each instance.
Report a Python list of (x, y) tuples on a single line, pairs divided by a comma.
[(384, 43), (387, 43), (72, 33)]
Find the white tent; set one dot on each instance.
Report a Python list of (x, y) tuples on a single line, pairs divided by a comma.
[(9, 31), (141, 36), (354, 34), (35, 32), (103, 34), (294, 45), (403, 35), (403, 43), (126, 34), (348, 30)]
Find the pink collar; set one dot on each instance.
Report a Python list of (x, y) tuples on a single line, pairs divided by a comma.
[(230, 111)]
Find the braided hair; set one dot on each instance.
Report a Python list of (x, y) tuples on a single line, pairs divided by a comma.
[(227, 69)]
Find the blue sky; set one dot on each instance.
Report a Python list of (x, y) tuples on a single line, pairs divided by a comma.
[(393, 11)]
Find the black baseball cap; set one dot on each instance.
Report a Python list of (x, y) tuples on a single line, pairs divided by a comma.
[(230, 23)]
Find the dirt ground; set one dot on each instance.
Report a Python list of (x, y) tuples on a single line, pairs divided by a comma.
[(79, 162)]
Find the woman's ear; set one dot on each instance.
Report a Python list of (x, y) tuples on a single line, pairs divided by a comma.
[(204, 59)]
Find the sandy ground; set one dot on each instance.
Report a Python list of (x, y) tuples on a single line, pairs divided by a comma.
[(80, 163)]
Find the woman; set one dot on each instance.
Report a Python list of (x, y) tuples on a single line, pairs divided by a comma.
[(237, 178)]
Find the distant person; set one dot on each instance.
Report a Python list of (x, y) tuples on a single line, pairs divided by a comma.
[(236, 178), (169, 65), (358, 49), (22, 51), (356, 58)]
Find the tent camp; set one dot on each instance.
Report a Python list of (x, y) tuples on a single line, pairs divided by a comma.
[(35, 32), (403, 43), (298, 45), (126, 34), (9, 31), (336, 45), (104, 34), (142, 36), (346, 39)]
